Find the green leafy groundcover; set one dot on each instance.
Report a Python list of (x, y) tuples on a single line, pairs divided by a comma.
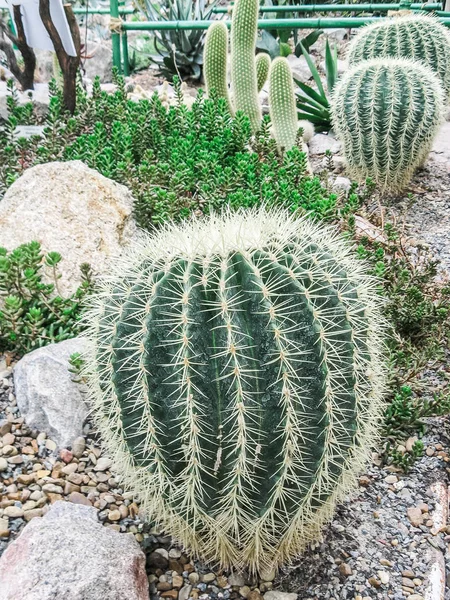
[(175, 160)]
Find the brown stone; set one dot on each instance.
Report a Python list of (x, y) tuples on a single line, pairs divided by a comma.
[(77, 498), (163, 586), (170, 594), (345, 569), (415, 516)]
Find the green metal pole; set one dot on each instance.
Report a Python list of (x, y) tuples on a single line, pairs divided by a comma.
[(321, 23), (312, 8), (126, 62), (115, 37), (103, 11)]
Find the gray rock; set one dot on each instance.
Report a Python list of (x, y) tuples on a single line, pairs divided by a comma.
[(321, 143), (101, 63), (276, 595), (299, 68), (440, 152), (69, 554), (71, 209), (341, 184), (46, 394)]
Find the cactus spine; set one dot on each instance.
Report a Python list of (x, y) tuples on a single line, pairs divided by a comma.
[(262, 69), (418, 37), (215, 55), (237, 380), (244, 30), (386, 113), (283, 109)]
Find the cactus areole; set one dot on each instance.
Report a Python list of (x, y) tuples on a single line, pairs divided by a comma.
[(236, 378)]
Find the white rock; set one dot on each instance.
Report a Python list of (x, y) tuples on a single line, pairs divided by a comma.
[(3, 464), (236, 578), (103, 464), (440, 151), (69, 554), (185, 592), (299, 68), (46, 394), (276, 595), (101, 65), (321, 143), (71, 209), (342, 184)]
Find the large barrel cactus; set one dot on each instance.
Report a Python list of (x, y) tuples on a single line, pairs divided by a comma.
[(386, 112), (237, 380), (419, 37)]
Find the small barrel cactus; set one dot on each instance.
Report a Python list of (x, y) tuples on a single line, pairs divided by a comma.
[(283, 109), (237, 380), (418, 37), (386, 113)]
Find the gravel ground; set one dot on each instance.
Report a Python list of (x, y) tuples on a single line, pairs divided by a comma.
[(378, 545)]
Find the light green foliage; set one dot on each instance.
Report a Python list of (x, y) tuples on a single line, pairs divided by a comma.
[(386, 113), (236, 380), (283, 111), (215, 66), (244, 30), (262, 69), (419, 37)]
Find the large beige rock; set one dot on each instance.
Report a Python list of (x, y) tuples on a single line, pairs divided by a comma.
[(71, 209), (69, 555)]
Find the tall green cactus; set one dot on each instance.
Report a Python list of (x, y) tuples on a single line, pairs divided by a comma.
[(262, 69), (244, 31), (215, 60), (386, 113), (237, 380), (283, 109), (419, 37)]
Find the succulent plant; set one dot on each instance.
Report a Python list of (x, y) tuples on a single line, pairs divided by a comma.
[(237, 380), (386, 113), (215, 66), (283, 109), (419, 37), (262, 69), (244, 31)]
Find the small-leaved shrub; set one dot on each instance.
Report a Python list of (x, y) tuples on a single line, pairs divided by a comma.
[(32, 311)]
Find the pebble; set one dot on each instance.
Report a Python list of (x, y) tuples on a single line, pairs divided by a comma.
[(3, 464), (13, 512), (103, 464), (78, 447)]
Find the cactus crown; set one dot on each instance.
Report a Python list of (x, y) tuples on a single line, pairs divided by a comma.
[(386, 113), (237, 380), (418, 37), (283, 108)]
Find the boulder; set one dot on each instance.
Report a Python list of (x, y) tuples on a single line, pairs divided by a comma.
[(69, 554), (47, 396), (99, 62), (320, 143), (299, 68), (71, 209)]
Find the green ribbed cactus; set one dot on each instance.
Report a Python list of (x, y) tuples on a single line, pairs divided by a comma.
[(386, 113), (283, 109), (244, 31), (215, 60), (262, 69), (237, 380), (419, 37)]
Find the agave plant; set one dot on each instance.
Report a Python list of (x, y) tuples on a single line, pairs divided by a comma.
[(314, 106), (180, 52)]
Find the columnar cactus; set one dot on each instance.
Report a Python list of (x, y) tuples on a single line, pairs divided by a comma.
[(215, 60), (386, 113), (244, 30), (419, 37), (262, 69), (283, 109), (237, 380)]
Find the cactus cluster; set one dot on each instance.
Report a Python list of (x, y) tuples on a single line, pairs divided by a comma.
[(418, 37), (386, 112), (248, 74), (237, 380)]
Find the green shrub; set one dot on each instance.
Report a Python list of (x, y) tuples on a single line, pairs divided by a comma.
[(176, 161), (32, 311), (236, 368)]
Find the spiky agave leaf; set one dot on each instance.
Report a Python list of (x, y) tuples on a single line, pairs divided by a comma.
[(237, 381)]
